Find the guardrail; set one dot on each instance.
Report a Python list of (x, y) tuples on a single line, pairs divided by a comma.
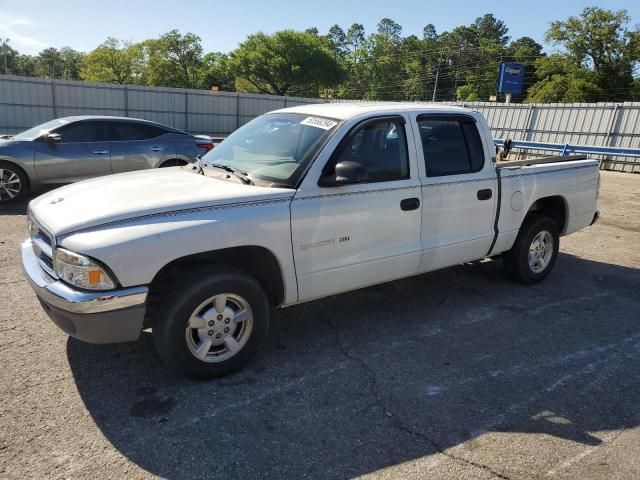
[(566, 149)]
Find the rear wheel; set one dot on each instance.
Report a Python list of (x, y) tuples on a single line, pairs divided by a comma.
[(173, 163), (212, 325), (534, 252), (13, 182)]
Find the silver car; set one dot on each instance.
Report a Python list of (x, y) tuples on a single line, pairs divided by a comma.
[(69, 149)]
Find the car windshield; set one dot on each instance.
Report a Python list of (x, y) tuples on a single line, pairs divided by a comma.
[(274, 148), (39, 130)]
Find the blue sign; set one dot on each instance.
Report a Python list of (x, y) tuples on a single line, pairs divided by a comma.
[(511, 78)]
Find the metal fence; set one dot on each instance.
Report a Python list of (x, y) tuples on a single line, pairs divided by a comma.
[(25, 102)]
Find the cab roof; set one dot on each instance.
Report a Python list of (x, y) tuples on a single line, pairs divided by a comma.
[(346, 111)]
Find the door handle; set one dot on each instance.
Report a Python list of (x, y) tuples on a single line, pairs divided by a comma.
[(485, 194), (156, 149), (100, 152), (410, 204)]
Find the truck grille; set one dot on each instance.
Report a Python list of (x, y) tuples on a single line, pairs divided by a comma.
[(42, 243)]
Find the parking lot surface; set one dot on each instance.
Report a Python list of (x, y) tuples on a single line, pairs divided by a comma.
[(454, 374)]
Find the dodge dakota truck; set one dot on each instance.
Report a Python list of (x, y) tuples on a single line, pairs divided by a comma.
[(298, 204)]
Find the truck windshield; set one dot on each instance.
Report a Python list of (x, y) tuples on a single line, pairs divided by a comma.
[(274, 148)]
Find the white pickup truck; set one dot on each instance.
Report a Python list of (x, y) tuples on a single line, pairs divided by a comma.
[(298, 204)]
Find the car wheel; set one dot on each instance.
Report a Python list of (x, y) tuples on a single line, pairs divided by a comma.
[(13, 182), (212, 325), (534, 252), (173, 163)]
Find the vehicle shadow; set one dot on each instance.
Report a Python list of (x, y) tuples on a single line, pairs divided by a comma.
[(389, 374), (20, 207)]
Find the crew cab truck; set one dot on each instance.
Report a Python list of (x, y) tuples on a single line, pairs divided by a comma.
[(298, 204)]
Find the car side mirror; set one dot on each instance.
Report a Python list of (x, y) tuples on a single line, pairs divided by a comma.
[(347, 173), (53, 137)]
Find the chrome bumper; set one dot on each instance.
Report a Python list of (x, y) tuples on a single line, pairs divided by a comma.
[(96, 317)]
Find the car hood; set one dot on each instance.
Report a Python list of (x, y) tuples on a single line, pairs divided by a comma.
[(124, 196)]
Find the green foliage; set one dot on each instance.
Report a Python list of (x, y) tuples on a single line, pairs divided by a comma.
[(562, 79), (114, 62), (287, 62), (602, 41), (599, 56), (174, 60), (466, 93)]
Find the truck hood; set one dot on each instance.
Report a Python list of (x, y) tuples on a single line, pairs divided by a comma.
[(102, 200)]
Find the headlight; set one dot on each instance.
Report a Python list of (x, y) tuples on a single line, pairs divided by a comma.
[(81, 271)]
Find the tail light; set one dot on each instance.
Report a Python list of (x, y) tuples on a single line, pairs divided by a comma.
[(205, 146)]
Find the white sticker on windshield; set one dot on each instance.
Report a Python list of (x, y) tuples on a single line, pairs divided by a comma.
[(323, 123)]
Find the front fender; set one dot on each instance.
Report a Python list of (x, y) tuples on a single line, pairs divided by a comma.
[(137, 250)]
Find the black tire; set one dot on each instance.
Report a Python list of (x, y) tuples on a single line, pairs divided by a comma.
[(516, 260), (173, 163), (8, 174), (169, 328)]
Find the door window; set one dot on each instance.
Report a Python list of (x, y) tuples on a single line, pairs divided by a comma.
[(127, 131), (451, 146), (380, 146), (87, 131)]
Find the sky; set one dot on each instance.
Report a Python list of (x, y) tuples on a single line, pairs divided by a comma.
[(83, 24)]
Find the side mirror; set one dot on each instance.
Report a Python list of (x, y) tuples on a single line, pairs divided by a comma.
[(53, 137), (347, 173)]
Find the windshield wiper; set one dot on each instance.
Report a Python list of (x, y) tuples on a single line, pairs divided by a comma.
[(244, 176)]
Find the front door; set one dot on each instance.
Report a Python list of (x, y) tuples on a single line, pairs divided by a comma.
[(346, 237), (459, 191), (82, 152)]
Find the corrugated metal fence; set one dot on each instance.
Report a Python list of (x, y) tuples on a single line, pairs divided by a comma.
[(25, 102)]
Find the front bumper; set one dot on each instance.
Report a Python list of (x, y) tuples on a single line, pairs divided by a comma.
[(94, 317)]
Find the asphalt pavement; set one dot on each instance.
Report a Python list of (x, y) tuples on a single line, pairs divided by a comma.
[(453, 374)]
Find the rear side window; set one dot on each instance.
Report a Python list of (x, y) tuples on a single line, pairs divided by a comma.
[(451, 145), (128, 131), (380, 146), (87, 131)]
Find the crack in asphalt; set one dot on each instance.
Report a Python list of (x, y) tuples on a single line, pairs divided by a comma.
[(392, 416)]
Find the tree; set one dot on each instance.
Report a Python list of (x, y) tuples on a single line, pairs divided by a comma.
[(562, 80), (389, 28), (337, 41), (174, 60), (466, 93), (114, 61), (49, 63), (429, 32), (355, 36), (71, 63), (216, 71), (285, 62), (601, 40)]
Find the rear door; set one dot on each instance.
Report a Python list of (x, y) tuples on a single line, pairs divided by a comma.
[(459, 190), (137, 146), (82, 152)]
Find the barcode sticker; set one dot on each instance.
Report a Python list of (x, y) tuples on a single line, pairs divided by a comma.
[(323, 123)]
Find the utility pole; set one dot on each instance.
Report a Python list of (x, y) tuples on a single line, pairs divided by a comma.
[(435, 85), (5, 50)]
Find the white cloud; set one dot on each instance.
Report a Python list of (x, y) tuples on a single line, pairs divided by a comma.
[(16, 29)]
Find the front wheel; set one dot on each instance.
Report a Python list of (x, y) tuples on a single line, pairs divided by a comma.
[(212, 325), (13, 182), (534, 252)]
